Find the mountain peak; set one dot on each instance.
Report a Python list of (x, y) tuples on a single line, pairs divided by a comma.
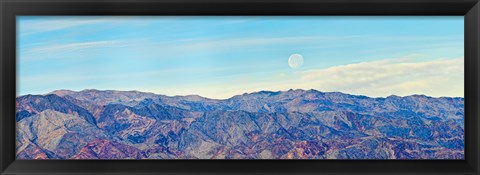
[(62, 92), (192, 97), (92, 90)]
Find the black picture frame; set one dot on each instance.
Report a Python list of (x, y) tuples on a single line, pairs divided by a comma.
[(9, 9)]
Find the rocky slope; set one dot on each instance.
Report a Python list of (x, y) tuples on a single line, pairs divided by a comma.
[(294, 124)]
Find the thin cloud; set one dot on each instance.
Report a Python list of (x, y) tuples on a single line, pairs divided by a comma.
[(57, 24), (202, 44), (391, 77), (75, 46), (49, 51), (249, 41)]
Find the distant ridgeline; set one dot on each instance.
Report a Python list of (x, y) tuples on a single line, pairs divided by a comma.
[(294, 124)]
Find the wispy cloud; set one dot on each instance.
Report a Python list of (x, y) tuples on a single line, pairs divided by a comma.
[(56, 24), (206, 44), (50, 51), (391, 77), (201, 44), (76, 46)]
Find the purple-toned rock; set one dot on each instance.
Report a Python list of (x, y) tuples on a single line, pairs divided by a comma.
[(105, 149), (293, 124)]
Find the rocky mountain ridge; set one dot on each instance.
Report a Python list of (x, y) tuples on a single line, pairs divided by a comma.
[(293, 124)]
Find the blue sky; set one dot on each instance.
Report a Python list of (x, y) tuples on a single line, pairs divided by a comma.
[(218, 57)]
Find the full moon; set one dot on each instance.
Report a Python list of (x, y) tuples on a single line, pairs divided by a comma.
[(295, 61)]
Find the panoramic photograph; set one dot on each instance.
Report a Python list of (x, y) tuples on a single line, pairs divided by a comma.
[(240, 87)]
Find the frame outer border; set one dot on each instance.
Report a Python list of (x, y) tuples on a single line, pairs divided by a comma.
[(472, 43)]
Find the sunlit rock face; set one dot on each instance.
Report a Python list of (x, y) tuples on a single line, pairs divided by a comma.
[(57, 135), (294, 124), (29, 105)]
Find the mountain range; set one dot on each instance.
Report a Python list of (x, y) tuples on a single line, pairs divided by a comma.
[(293, 124)]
